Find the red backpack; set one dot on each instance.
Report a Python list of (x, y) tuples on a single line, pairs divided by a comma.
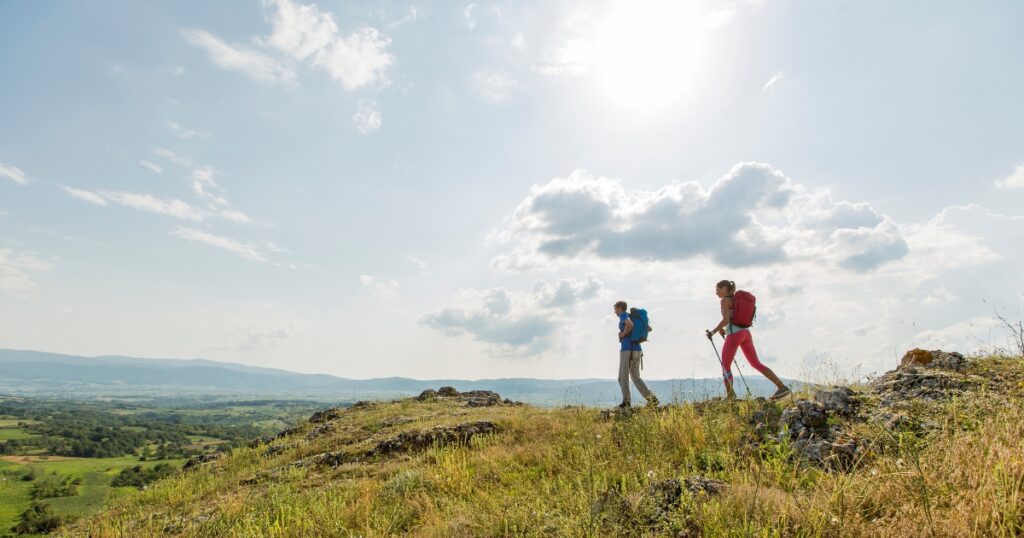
[(744, 308)]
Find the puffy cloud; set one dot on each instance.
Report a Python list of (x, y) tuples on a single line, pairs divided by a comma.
[(13, 173), (1014, 180), (308, 34), (521, 324), (752, 216), (379, 288), (251, 252), (14, 271), (251, 63), (367, 117)]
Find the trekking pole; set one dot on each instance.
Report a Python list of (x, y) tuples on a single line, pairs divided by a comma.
[(712, 340)]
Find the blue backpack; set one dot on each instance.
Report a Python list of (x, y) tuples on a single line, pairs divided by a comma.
[(641, 325)]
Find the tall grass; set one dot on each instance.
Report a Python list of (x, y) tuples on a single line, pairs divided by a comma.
[(574, 472)]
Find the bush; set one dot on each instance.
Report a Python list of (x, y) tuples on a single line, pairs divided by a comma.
[(38, 519)]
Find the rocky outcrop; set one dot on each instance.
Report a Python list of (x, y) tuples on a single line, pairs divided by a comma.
[(934, 359), (196, 461), (473, 398), (320, 431), (325, 415), (440, 435), (806, 426)]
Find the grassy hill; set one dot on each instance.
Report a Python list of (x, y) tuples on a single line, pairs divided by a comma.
[(924, 451)]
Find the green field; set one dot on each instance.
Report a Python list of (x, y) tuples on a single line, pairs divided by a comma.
[(7, 434), (93, 494)]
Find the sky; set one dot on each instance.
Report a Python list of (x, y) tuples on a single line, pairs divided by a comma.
[(462, 190)]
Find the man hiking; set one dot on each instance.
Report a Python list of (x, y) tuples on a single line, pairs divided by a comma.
[(737, 335), (629, 360)]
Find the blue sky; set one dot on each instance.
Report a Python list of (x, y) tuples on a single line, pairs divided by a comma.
[(433, 189)]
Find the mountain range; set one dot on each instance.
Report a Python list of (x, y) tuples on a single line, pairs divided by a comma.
[(36, 373)]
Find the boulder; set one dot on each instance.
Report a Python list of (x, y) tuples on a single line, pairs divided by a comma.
[(838, 400), (428, 394), (448, 392), (916, 357)]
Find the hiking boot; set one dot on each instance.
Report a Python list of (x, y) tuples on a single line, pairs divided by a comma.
[(781, 393), (623, 405), (652, 401)]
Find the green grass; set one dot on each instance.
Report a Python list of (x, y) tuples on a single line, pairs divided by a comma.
[(7, 434), (93, 494), (574, 472)]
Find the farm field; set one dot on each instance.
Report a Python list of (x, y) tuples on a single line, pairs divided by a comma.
[(75, 457)]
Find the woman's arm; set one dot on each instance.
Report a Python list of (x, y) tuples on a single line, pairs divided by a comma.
[(726, 316)]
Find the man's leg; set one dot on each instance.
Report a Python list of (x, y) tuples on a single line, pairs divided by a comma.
[(634, 372), (624, 359)]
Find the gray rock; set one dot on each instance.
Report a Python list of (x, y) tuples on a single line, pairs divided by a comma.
[(325, 415), (441, 435)]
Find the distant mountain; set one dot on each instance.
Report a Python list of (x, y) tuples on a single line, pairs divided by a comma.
[(35, 373)]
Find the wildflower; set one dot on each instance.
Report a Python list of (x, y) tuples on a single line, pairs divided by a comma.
[(650, 475), (835, 520)]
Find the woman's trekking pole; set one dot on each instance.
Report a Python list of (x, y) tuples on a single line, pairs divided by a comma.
[(712, 340)]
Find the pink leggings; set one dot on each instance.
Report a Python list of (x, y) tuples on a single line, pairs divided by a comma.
[(744, 341)]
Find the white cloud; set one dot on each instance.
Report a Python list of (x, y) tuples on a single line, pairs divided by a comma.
[(752, 216), (245, 250), (142, 202), (367, 117), (468, 18), (172, 157), (411, 14), (1014, 180), (267, 339), (13, 173), (151, 166), (522, 324), (14, 271), (87, 196), (773, 81), (186, 133), (494, 85), (985, 334), (519, 42), (251, 63), (379, 288), (307, 34)]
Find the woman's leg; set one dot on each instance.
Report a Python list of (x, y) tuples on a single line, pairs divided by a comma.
[(747, 345), (728, 354)]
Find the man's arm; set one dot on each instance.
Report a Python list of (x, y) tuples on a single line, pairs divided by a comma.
[(626, 329)]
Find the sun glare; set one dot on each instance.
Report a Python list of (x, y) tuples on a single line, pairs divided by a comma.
[(647, 56)]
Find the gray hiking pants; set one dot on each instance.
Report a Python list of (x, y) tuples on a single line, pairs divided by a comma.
[(629, 367)]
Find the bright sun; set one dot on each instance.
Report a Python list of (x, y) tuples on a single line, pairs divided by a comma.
[(646, 56)]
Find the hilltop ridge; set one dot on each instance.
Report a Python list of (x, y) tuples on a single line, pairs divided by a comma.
[(930, 449)]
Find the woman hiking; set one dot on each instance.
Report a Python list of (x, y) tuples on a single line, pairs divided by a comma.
[(738, 336)]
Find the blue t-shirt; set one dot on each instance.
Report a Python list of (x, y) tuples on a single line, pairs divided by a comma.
[(626, 344)]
